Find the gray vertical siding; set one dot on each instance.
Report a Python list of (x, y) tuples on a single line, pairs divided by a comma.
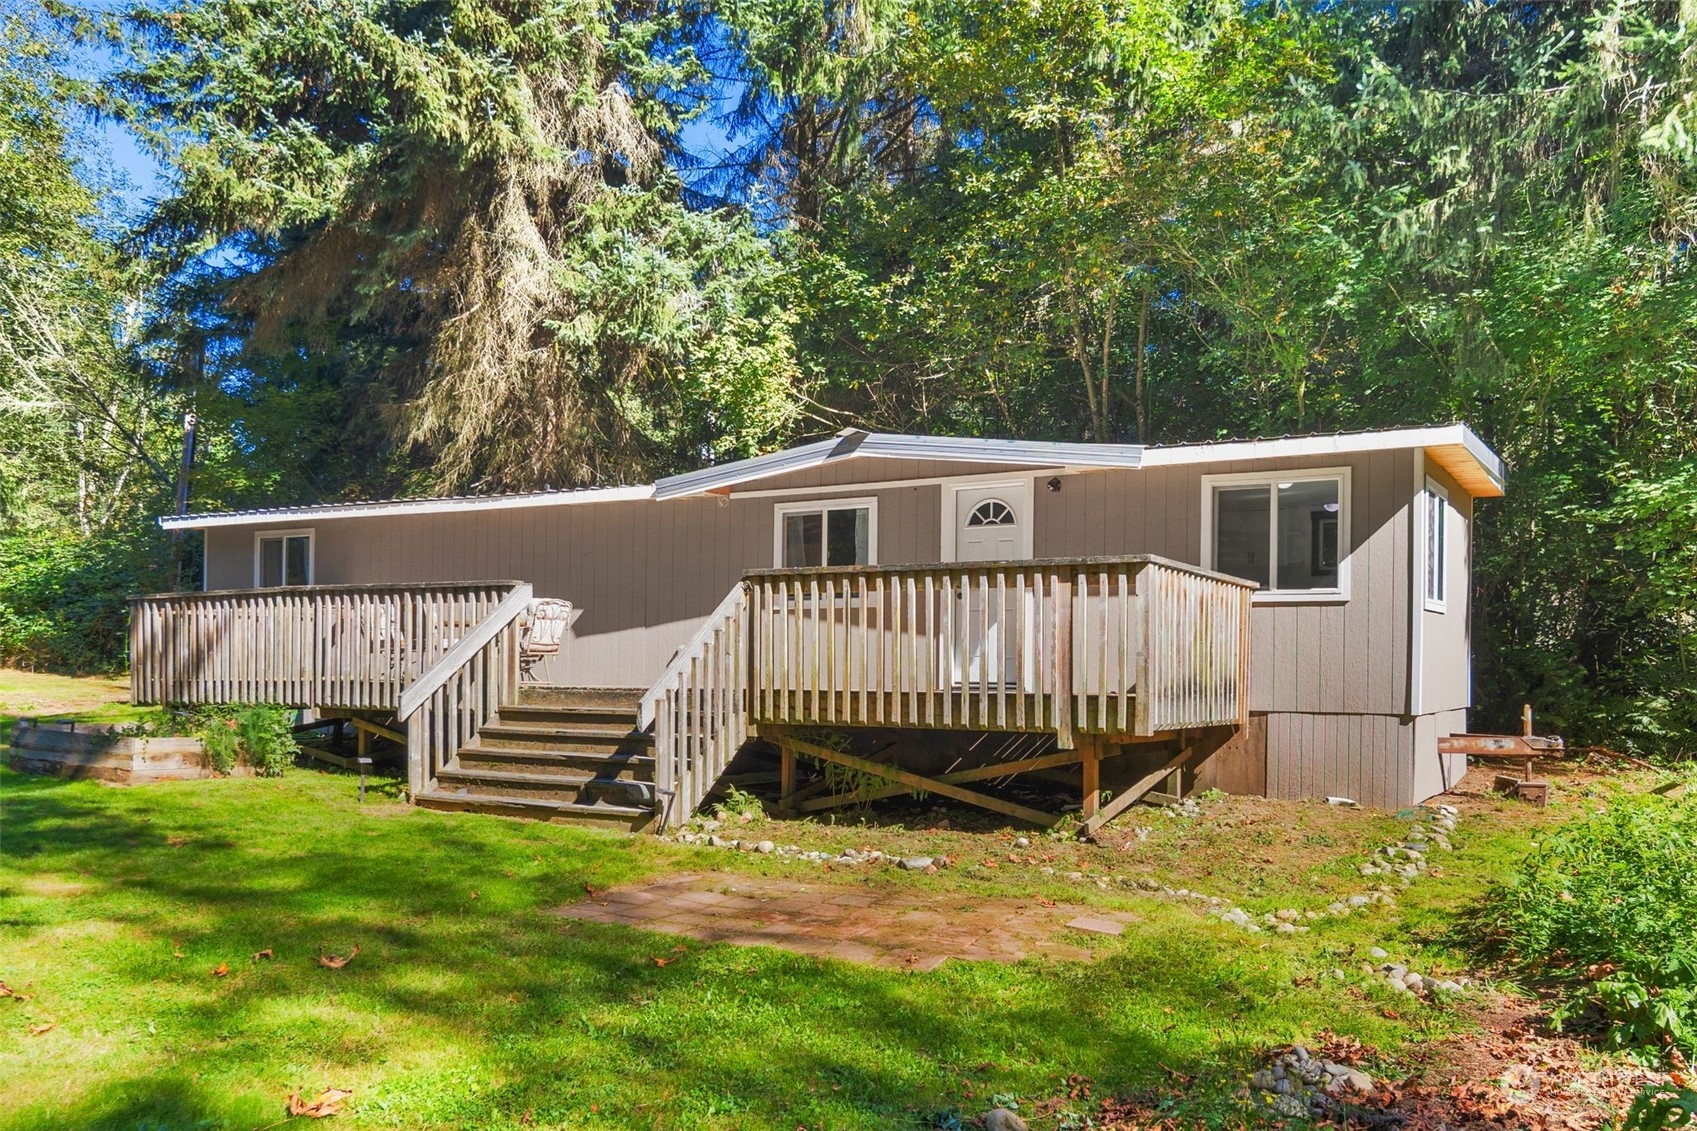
[(1369, 758), (640, 575), (1345, 657), (1386, 761)]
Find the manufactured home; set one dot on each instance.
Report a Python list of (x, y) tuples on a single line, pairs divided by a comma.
[(1286, 617)]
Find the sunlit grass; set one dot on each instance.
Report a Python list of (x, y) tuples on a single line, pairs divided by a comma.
[(468, 1005)]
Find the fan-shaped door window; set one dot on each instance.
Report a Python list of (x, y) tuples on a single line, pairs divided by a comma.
[(991, 512)]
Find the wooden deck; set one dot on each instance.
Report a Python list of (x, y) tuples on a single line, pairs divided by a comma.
[(1094, 647), (1090, 650)]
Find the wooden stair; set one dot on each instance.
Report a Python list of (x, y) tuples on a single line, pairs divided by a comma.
[(572, 755)]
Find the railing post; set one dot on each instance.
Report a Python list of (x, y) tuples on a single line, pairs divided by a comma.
[(1064, 738), (1142, 711)]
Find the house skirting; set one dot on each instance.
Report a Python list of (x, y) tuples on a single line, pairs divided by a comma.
[(1385, 761)]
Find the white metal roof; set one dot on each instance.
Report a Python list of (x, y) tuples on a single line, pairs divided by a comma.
[(1453, 447), (856, 444)]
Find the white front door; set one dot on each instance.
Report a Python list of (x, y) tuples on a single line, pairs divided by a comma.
[(992, 523)]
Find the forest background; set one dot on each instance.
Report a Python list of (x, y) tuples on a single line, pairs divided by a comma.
[(409, 246)]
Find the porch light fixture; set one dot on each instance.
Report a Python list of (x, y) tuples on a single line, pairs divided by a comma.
[(1055, 483)]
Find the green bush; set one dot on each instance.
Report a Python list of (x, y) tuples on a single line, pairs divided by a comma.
[(1606, 907), (62, 596), (257, 732)]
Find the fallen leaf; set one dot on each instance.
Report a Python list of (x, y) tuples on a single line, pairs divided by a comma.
[(327, 1102), (1389, 1013), (221, 970), (658, 961), (336, 961), (44, 1027), (591, 890), (8, 991), (266, 953), (514, 998), (474, 895), (177, 949)]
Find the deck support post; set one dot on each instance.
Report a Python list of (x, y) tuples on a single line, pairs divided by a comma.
[(1130, 797), (786, 775), (1091, 765), (362, 740)]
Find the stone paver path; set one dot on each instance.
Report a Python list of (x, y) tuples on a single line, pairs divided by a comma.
[(908, 931)]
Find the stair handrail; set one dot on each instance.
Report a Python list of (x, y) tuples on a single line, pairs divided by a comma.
[(449, 702), (512, 606), (699, 708), (686, 651)]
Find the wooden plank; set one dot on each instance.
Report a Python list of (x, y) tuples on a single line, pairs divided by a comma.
[(368, 727), (919, 782), (988, 772)]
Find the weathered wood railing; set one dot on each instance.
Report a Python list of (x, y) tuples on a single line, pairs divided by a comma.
[(699, 708), (347, 647), (1132, 645), (447, 704)]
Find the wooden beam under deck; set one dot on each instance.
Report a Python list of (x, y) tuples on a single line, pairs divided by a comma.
[(915, 781)]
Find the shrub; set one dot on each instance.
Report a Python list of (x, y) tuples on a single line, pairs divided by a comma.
[(62, 604), (1606, 907), (258, 732)]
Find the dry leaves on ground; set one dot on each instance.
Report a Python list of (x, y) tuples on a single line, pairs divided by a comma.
[(44, 1027), (221, 970), (8, 991), (266, 953), (327, 1102), (336, 961)]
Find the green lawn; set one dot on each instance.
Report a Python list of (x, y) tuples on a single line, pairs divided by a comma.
[(469, 1006), (45, 696)]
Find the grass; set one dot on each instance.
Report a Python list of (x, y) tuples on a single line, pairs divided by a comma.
[(40, 695), (469, 1006)]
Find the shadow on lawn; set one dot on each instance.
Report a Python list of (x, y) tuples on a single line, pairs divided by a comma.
[(458, 954)]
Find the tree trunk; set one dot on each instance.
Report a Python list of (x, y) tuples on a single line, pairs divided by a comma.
[(1142, 400)]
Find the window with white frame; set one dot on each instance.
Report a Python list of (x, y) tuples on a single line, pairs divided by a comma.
[(1436, 504), (1289, 532), (838, 532), (282, 557)]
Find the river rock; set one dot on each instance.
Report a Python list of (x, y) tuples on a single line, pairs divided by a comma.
[(1002, 1119)]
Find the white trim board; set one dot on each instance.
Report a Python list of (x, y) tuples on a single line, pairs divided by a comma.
[(407, 506)]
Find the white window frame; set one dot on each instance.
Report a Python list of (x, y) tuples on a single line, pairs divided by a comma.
[(819, 506), (259, 539), (1435, 492), (1271, 480)]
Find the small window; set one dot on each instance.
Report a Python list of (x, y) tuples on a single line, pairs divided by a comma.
[(991, 512), (1437, 509), (1289, 535), (833, 534), (283, 559)]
